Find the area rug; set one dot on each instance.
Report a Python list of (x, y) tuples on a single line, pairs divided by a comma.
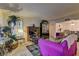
[(34, 49)]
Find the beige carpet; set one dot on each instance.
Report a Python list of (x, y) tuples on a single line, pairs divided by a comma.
[(23, 51), (20, 51)]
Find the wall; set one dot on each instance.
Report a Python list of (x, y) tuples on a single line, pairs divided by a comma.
[(31, 21), (28, 21), (52, 29), (3, 17), (72, 25)]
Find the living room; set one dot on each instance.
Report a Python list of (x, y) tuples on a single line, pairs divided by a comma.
[(28, 29)]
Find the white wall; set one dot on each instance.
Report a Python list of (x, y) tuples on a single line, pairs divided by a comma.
[(31, 21), (3, 17), (52, 30), (67, 25)]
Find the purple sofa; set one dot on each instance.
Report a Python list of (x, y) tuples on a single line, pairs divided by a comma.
[(49, 48)]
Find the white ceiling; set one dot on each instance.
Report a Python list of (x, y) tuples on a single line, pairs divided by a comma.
[(49, 10)]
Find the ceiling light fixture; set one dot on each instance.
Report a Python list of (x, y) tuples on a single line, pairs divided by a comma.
[(72, 24)]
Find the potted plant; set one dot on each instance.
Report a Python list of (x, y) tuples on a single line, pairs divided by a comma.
[(13, 19)]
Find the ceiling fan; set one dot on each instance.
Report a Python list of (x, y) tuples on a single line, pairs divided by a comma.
[(15, 7)]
